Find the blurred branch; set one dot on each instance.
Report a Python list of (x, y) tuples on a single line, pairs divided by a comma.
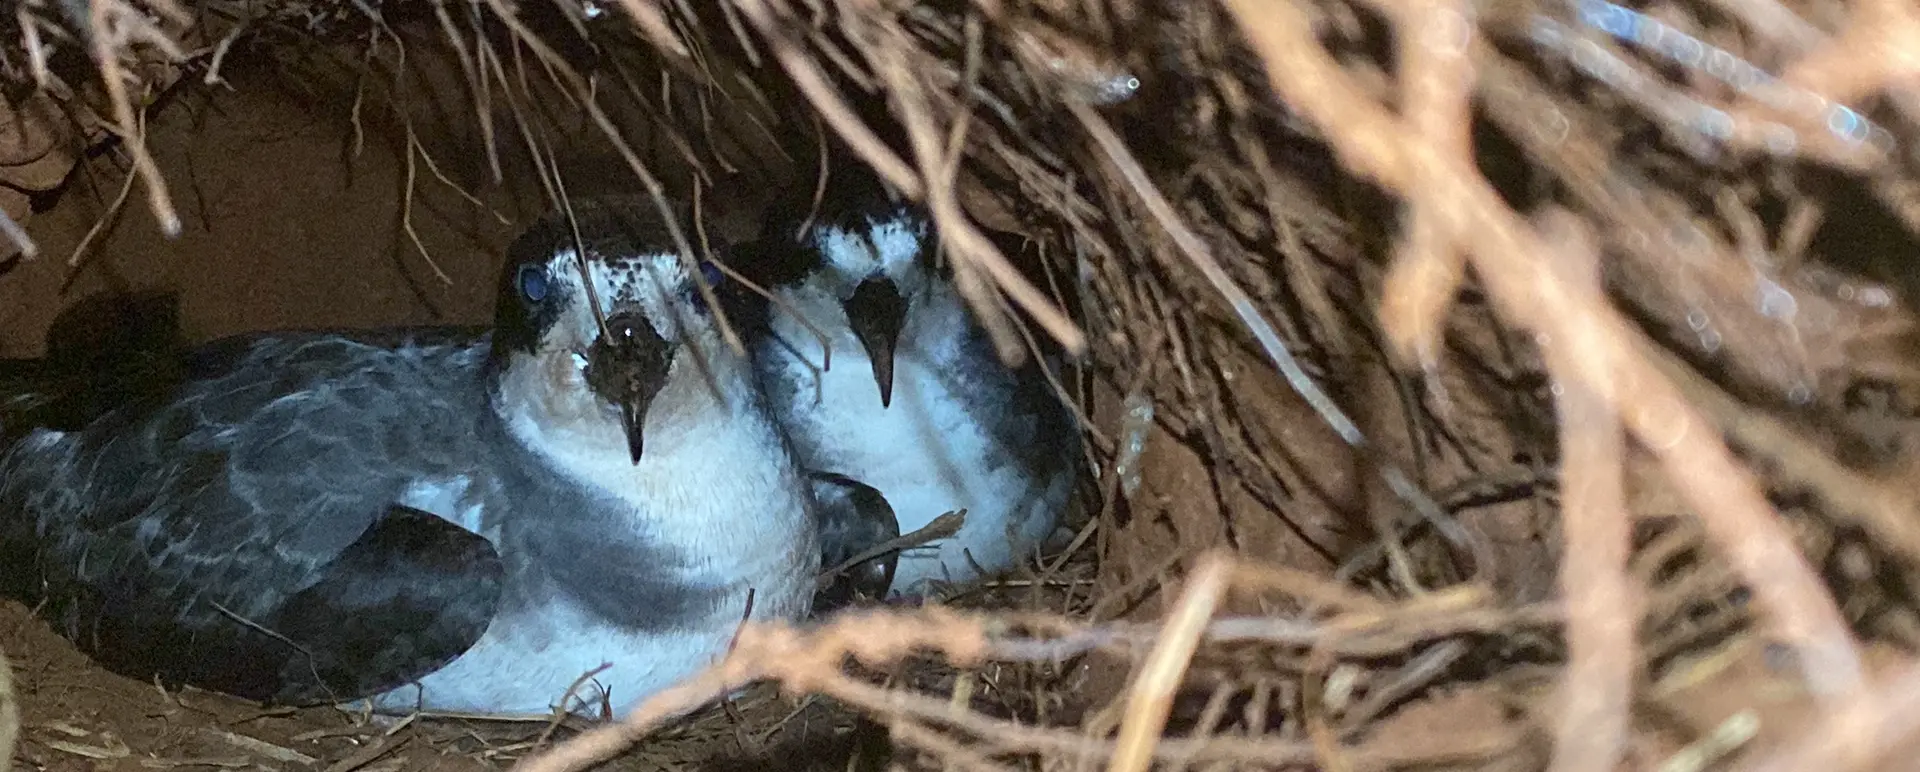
[(1506, 252), (810, 661), (9, 715)]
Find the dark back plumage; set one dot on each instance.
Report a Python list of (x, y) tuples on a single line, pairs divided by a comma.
[(230, 515), (105, 352), (190, 532), (779, 256)]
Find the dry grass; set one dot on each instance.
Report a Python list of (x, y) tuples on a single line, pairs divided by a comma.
[(1635, 203), (9, 715)]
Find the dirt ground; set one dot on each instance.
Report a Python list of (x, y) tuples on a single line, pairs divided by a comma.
[(78, 717), (286, 227)]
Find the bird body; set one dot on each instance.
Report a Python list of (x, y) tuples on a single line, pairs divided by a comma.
[(921, 409), (440, 519)]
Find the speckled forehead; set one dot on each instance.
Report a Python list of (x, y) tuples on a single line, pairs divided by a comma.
[(891, 244), (624, 278)]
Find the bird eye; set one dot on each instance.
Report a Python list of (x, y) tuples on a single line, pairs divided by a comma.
[(532, 282)]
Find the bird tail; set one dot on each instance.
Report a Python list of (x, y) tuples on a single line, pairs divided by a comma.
[(26, 390), (107, 351)]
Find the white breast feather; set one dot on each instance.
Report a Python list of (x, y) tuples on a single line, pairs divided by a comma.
[(715, 480), (926, 454)]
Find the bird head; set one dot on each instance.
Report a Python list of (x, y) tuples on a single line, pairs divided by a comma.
[(871, 263), (591, 331)]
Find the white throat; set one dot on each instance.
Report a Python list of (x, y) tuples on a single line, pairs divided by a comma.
[(892, 247), (930, 452), (715, 472)]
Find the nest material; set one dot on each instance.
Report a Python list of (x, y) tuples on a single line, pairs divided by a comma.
[(9, 715), (1260, 215)]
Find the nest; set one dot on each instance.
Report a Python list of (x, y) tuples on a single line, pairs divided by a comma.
[(1508, 385)]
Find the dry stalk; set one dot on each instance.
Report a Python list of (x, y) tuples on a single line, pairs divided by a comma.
[(1436, 87), (1858, 734), (577, 86), (1142, 284), (937, 156), (101, 223), (1151, 697), (1795, 604), (653, 23), (414, 151), (974, 253), (1879, 49), (116, 27), (834, 110), (1135, 180), (1881, 508), (810, 660), (9, 715), (1603, 606)]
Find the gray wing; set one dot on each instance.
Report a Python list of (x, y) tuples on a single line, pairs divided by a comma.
[(853, 517), (223, 537), (1020, 408)]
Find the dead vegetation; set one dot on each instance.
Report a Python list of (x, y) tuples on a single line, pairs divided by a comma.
[(9, 715), (1500, 385)]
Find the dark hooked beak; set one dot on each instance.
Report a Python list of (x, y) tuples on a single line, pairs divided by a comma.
[(875, 312), (628, 366)]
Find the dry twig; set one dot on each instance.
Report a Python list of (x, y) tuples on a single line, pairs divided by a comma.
[(1236, 215), (1603, 607), (1796, 605), (810, 661), (9, 715), (1859, 733)]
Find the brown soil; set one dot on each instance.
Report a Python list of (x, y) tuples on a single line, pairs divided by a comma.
[(76, 716)]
